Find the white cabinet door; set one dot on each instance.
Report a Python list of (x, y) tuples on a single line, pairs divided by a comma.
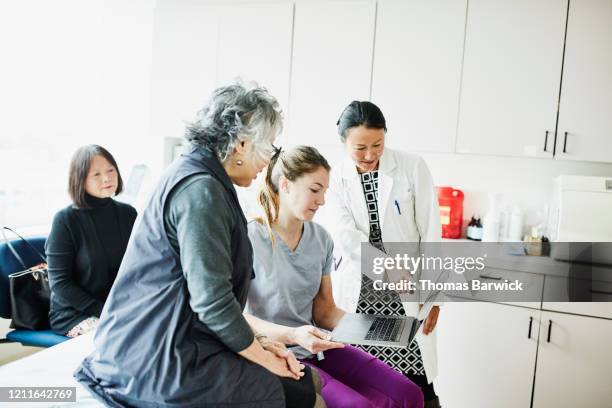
[(486, 355), (184, 63), (256, 49), (331, 66), (255, 45), (417, 71), (511, 77), (586, 93), (575, 367)]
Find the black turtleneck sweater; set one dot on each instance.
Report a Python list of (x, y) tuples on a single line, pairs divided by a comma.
[(84, 252)]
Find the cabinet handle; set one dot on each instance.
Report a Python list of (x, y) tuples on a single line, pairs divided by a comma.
[(491, 277), (549, 328), (565, 143), (530, 324), (546, 141), (600, 292)]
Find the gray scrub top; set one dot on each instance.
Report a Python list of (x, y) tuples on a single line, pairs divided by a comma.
[(286, 282)]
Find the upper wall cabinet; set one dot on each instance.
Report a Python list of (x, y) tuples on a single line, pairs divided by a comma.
[(511, 77), (184, 63), (256, 49), (417, 71), (331, 66), (585, 114)]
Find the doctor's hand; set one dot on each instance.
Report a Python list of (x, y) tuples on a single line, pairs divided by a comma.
[(400, 275), (313, 339), (280, 350), (432, 319)]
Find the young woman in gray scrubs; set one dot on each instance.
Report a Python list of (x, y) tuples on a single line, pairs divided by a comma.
[(293, 258)]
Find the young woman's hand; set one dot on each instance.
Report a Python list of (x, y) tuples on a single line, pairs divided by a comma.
[(314, 340), (280, 350)]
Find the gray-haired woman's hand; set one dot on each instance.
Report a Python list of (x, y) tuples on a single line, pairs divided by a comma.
[(280, 350), (314, 340), (279, 366), (269, 360)]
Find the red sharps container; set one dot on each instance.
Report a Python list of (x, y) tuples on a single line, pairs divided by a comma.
[(451, 211)]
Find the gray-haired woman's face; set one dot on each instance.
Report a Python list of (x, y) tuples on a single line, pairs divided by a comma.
[(253, 160)]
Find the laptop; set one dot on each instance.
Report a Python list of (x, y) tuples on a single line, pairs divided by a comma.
[(380, 330)]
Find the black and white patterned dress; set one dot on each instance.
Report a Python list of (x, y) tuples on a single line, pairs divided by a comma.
[(407, 361)]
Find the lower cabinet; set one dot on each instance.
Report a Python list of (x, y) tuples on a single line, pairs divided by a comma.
[(496, 355), (486, 355), (575, 363)]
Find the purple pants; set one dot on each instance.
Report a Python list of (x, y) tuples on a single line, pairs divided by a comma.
[(353, 378)]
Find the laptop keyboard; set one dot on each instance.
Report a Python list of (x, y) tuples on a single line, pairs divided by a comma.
[(384, 329)]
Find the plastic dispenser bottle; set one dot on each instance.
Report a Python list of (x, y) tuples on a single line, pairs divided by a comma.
[(490, 232)]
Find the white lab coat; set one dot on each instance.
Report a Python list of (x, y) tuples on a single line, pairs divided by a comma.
[(406, 179)]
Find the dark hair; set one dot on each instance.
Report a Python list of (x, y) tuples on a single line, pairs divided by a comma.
[(79, 167), (360, 113), (292, 164)]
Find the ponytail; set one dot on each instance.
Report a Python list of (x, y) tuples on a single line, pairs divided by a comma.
[(268, 198)]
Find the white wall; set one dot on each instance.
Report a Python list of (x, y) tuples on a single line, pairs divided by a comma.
[(126, 83), (527, 183), (184, 66)]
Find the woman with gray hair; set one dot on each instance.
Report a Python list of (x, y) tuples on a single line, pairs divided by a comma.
[(172, 332)]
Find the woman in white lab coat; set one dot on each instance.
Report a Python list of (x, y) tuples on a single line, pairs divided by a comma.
[(378, 194)]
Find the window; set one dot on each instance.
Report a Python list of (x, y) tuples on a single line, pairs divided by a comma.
[(73, 72)]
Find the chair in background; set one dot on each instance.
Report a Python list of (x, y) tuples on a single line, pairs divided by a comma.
[(137, 181), (8, 265)]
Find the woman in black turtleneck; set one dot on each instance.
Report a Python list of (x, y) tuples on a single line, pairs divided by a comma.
[(87, 242)]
